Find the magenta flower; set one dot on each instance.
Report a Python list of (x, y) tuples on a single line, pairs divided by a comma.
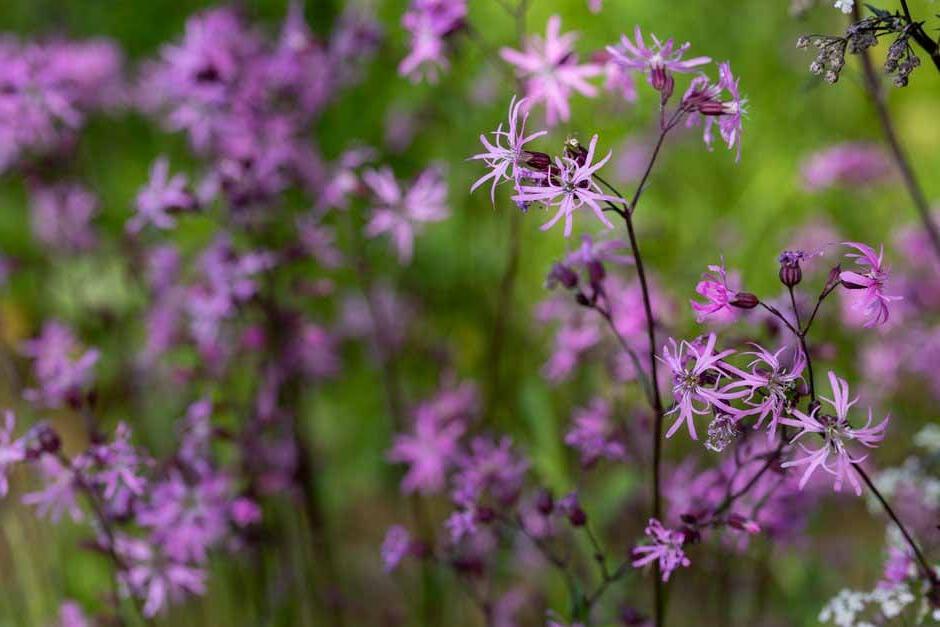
[(72, 615), (666, 548), (60, 367), (771, 384), (430, 451), (489, 468), (729, 118), (59, 494), (833, 456), (851, 165), (429, 22), (870, 277), (162, 196), (62, 216), (154, 577), (593, 252), (187, 519), (704, 99), (506, 163), (592, 434), (551, 71), (115, 466), (395, 547), (11, 451), (697, 372), (714, 289), (571, 188), (399, 213), (657, 61)]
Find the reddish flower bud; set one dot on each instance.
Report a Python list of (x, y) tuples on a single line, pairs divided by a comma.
[(538, 161), (577, 517), (745, 300), (544, 502)]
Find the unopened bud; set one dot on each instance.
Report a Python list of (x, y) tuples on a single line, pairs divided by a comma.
[(538, 161), (49, 441), (791, 275), (544, 502), (745, 300), (485, 515), (577, 517), (562, 274), (596, 271), (790, 271)]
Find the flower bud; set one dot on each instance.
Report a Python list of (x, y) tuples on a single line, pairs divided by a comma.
[(538, 161), (790, 271), (736, 521), (49, 441), (596, 271), (562, 274), (745, 300), (485, 515), (544, 502), (791, 275), (577, 517)]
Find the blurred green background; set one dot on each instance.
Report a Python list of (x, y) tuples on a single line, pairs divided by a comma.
[(699, 206)]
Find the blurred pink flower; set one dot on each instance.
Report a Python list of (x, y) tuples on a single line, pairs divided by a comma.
[(551, 72)]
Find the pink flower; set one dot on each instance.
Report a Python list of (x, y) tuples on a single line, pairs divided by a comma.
[(570, 188), (666, 547), (833, 456), (59, 495), (551, 71), (430, 451), (771, 384), (72, 615), (60, 367), (399, 213), (871, 278), (657, 61), (714, 289), (506, 163), (697, 372), (851, 165), (62, 216), (429, 21), (703, 99), (162, 196), (591, 434), (156, 578), (395, 547)]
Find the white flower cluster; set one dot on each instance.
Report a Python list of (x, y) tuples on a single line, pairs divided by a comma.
[(846, 608), (844, 5)]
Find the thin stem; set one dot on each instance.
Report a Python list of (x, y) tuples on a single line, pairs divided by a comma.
[(657, 400), (900, 157), (598, 552), (658, 597), (780, 316), (922, 561), (119, 564)]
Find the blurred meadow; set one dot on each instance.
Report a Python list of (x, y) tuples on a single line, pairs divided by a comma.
[(700, 207)]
